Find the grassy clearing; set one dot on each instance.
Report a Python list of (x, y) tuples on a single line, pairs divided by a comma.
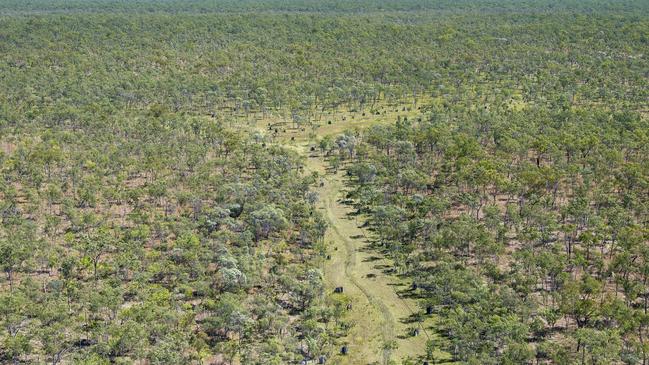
[(330, 123), (382, 309), (383, 317)]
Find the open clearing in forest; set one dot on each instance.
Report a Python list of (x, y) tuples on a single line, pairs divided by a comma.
[(382, 320), (380, 315), (330, 123)]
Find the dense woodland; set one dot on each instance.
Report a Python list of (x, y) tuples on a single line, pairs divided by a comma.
[(526, 230), (142, 218)]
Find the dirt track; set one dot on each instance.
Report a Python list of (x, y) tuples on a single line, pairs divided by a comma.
[(379, 312)]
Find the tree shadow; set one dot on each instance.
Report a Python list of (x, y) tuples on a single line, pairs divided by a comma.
[(413, 318), (353, 213), (411, 294), (345, 201)]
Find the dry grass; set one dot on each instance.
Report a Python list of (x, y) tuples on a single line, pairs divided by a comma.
[(379, 314)]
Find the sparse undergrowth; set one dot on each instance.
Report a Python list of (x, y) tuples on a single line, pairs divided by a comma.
[(157, 204)]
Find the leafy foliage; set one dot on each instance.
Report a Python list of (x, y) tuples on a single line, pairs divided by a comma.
[(145, 217)]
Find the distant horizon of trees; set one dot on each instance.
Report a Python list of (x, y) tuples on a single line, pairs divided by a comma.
[(203, 6)]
